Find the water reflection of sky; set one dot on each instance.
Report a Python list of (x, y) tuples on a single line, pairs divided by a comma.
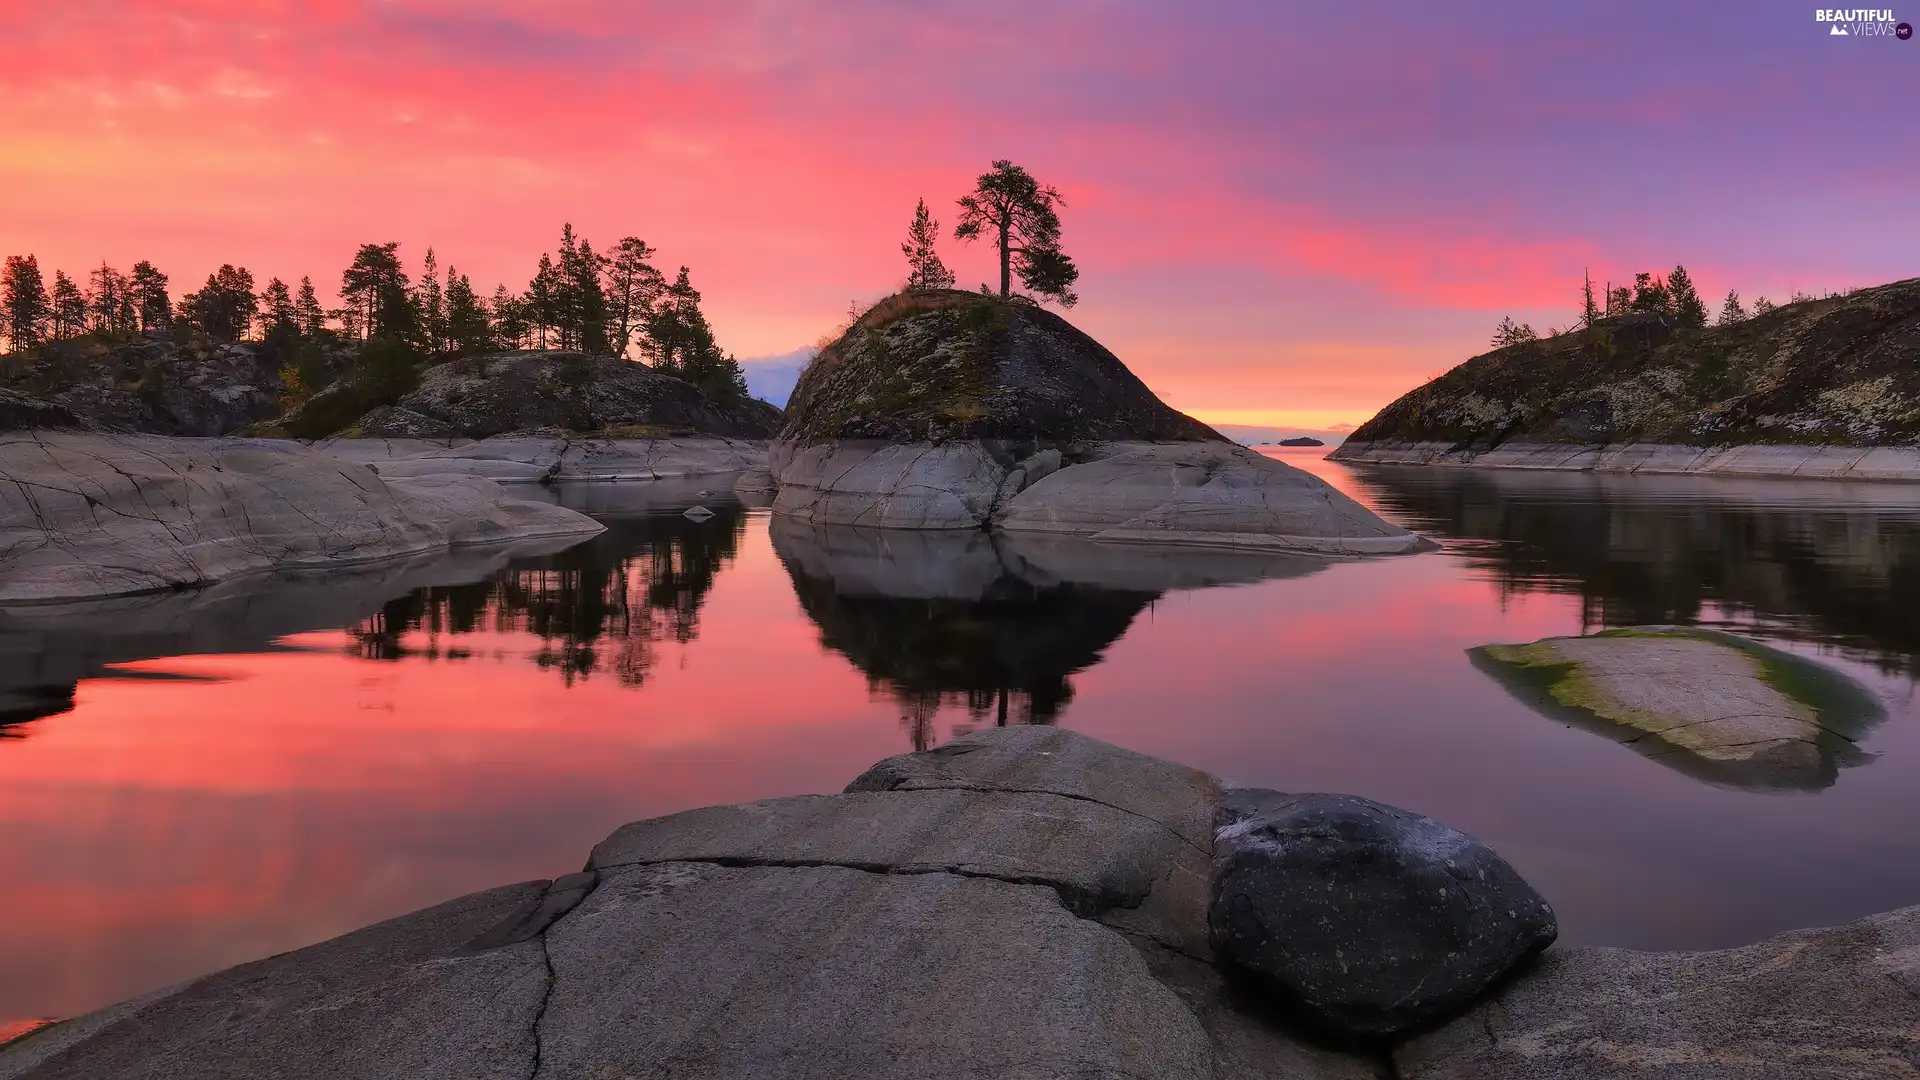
[(207, 800)]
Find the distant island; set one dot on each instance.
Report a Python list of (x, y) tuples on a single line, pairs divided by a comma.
[(1647, 384), (1302, 440)]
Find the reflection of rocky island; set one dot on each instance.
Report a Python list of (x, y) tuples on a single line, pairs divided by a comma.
[(990, 623), (598, 607), (46, 649), (1714, 706), (1804, 560)]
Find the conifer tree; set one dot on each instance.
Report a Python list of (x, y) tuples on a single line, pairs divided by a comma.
[(1650, 293), (1619, 301), (110, 303), (1761, 306), (23, 302), (468, 329), (431, 302), (375, 288), (509, 313), (1683, 300), (224, 307), (683, 343), (924, 268), (69, 318), (543, 301), (1512, 333), (1589, 311), (633, 286), (588, 301), (281, 315), (1730, 310), (307, 310), (1009, 206), (150, 297)]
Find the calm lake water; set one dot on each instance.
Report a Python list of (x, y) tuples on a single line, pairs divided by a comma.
[(192, 781)]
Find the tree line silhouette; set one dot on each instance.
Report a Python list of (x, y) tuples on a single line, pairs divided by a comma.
[(1673, 297), (616, 303)]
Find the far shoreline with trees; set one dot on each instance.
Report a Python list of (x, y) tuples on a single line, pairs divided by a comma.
[(613, 304)]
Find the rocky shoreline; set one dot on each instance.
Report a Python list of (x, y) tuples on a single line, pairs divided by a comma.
[(1900, 463), (86, 515), (1022, 902)]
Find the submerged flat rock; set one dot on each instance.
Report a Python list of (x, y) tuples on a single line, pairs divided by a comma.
[(1715, 705), (86, 515)]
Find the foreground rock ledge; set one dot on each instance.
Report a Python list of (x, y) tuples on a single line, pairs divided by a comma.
[(1022, 902), (87, 516)]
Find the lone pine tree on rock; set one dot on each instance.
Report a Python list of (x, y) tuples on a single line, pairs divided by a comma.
[(924, 268), (1008, 204)]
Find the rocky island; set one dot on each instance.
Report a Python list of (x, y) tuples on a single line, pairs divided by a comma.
[(1818, 388), (1022, 902), (940, 409)]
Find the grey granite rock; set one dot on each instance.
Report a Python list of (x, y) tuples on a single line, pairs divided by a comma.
[(85, 515), (550, 458), (394, 1000), (1208, 494), (887, 485), (1203, 493), (695, 970), (1366, 919), (1095, 856), (936, 928), (1055, 761), (1841, 1003)]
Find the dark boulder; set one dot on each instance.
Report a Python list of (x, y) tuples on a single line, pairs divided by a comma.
[(1367, 920)]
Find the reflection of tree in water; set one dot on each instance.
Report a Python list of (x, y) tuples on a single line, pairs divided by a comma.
[(601, 606), (1648, 553), (1004, 658)]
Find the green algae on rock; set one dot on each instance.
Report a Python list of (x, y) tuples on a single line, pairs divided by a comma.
[(1713, 705)]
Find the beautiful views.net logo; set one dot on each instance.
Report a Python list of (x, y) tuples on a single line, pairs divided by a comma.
[(1862, 22)]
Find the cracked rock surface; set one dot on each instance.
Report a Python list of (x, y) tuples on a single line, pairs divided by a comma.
[(91, 515), (1840, 1003), (1017, 904), (1020, 903)]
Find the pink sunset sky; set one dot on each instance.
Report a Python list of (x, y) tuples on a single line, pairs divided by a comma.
[(1286, 214)]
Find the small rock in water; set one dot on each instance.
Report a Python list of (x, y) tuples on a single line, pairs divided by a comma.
[(1368, 919), (698, 513)]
